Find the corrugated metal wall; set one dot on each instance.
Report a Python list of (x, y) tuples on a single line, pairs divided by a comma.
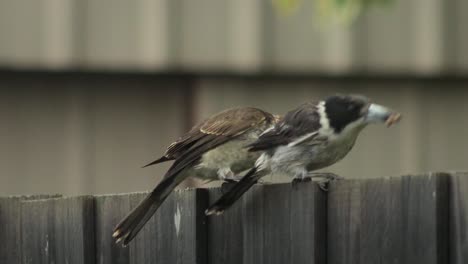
[(420, 36)]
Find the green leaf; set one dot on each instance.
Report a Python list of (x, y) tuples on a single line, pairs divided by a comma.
[(286, 6)]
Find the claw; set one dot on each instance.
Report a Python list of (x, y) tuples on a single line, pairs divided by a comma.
[(296, 181), (326, 178), (323, 186)]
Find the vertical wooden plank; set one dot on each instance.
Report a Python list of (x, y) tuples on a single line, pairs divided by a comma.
[(252, 227), (244, 35), (317, 47), (74, 230), (9, 230), (225, 236), (208, 52), (458, 243), (59, 230), (139, 31), (369, 44), (175, 234), (58, 33), (389, 220), (427, 41), (10, 226), (38, 244), (271, 224), (308, 224), (458, 35), (109, 211)]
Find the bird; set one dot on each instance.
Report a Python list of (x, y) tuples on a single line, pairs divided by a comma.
[(212, 150), (311, 137)]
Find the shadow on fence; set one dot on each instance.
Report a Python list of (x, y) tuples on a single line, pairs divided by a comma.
[(410, 219)]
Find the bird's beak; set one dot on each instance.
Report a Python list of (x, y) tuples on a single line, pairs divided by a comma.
[(380, 114)]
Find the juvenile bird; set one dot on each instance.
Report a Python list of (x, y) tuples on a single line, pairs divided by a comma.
[(214, 149), (310, 137)]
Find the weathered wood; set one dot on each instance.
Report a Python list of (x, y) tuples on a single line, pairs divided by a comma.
[(389, 220), (411, 219), (459, 218), (270, 224), (10, 226), (59, 230), (74, 230), (175, 234)]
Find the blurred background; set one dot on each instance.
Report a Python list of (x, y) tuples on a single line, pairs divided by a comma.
[(92, 90)]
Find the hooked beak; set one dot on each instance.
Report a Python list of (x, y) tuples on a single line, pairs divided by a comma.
[(380, 114)]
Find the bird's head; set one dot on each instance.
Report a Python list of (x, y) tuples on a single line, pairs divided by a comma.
[(356, 111)]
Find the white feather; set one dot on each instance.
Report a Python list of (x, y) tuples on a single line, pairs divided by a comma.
[(268, 130), (263, 162), (325, 129), (302, 139)]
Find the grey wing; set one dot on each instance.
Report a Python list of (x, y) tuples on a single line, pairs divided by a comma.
[(297, 126)]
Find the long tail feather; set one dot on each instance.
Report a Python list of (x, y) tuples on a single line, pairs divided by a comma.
[(162, 159), (129, 227)]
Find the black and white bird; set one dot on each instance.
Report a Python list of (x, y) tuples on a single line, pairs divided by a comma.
[(308, 138), (214, 149)]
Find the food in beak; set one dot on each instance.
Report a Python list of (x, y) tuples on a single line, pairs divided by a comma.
[(393, 119)]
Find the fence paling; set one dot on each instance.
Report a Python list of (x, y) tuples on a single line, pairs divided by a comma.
[(412, 219)]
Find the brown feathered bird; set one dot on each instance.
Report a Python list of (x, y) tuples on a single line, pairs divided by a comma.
[(214, 149)]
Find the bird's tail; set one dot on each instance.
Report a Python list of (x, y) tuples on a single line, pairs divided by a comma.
[(233, 194), (162, 159), (129, 227)]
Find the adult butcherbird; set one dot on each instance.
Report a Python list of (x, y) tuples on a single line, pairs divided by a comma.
[(214, 149), (310, 137)]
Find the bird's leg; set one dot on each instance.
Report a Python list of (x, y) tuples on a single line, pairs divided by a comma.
[(325, 179), (302, 176), (226, 174)]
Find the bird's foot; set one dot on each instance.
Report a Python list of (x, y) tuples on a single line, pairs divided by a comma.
[(324, 179), (227, 185), (323, 185)]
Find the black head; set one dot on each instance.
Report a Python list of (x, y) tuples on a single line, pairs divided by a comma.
[(342, 110)]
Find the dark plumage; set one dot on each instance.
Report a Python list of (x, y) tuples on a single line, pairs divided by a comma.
[(302, 120)]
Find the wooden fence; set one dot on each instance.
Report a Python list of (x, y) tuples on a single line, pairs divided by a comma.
[(410, 219)]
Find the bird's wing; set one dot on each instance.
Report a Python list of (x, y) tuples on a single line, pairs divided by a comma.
[(213, 132), (298, 126), (216, 129)]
